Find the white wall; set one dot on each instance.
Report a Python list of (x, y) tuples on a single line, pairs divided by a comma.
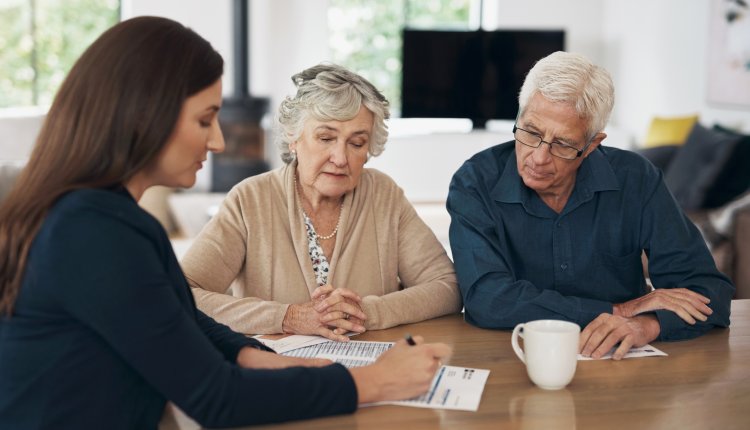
[(287, 36), (657, 52), (212, 20), (581, 20)]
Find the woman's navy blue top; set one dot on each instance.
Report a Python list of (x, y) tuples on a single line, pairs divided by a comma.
[(105, 331)]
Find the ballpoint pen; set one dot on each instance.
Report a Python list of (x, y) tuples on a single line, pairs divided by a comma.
[(409, 340)]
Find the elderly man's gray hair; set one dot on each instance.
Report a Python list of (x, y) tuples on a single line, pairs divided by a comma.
[(328, 92), (573, 79)]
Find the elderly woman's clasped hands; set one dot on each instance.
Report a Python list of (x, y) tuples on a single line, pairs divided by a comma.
[(331, 313)]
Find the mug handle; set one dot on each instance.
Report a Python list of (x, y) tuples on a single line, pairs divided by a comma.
[(514, 341)]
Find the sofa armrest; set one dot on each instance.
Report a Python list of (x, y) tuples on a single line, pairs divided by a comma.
[(9, 171)]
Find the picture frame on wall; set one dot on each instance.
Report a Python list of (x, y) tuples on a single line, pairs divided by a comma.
[(729, 53)]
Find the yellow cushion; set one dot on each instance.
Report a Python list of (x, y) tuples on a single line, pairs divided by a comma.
[(669, 131)]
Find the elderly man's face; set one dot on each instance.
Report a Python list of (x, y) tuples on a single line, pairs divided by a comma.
[(553, 121)]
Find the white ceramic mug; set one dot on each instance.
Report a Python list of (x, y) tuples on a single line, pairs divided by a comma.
[(550, 351)]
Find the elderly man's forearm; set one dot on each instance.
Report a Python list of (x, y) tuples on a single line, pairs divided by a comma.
[(505, 310)]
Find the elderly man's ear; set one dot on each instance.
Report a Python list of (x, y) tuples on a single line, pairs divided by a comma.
[(598, 138)]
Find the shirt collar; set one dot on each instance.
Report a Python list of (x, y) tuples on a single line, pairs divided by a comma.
[(596, 174), (510, 188), (121, 190)]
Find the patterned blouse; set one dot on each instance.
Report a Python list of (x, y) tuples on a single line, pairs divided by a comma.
[(317, 256)]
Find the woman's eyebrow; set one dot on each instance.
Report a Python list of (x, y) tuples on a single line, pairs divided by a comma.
[(326, 127)]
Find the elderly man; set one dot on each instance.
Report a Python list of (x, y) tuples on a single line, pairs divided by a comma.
[(553, 225)]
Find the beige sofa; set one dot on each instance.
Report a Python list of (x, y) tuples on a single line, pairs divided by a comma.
[(9, 171)]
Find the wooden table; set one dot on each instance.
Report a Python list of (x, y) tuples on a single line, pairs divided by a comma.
[(704, 383)]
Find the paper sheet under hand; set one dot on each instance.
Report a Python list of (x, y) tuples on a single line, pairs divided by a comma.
[(354, 353), (458, 388), (643, 351), (287, 343)]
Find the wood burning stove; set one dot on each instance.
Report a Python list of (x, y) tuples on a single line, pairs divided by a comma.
[(241, 117)]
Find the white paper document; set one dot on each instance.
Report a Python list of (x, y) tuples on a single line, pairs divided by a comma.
[(290, 342), (354, 353), (643, 351), (453, 387), (458, 388)]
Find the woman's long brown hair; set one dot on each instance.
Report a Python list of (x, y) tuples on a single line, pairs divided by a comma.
[(112, 115)]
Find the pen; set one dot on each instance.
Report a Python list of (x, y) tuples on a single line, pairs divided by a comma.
[(409, 340)]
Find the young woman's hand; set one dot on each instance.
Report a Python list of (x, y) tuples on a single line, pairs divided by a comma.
[(403, 372)]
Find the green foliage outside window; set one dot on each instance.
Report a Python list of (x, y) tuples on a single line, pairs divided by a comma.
[(365, 35), (41, 39)]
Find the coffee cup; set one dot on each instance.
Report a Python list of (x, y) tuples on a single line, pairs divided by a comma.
[(550, 351)]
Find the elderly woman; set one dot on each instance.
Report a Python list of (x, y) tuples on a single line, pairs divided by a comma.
[(322, 245)]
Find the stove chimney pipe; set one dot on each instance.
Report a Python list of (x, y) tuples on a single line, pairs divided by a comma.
[(240, 117)]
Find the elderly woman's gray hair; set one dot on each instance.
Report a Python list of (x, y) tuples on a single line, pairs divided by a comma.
[(328, 92), (573, 79)]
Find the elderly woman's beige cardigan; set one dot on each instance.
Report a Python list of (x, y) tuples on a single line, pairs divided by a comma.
[(257, 243)]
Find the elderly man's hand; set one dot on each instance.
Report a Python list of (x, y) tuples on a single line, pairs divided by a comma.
[(607, 330), (687, 304)]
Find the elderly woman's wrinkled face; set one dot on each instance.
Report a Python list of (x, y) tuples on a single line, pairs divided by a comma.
[(331, 155)]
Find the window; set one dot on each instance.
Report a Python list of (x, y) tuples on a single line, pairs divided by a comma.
[(41, 39), (365, 36)]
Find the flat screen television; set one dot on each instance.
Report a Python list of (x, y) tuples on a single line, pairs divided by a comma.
[(469, 74)]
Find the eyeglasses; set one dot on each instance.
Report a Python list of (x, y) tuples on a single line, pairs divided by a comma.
[(558, 149)]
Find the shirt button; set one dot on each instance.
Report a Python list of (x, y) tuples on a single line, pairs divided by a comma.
[(559, 224), (563, 266)]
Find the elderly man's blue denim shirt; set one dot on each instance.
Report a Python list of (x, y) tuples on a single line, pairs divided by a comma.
[(517, 260)]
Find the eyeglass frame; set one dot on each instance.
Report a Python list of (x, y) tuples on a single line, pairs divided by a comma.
[(579, 152)]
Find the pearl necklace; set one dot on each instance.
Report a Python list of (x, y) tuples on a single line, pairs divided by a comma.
[(335, 230), (338, 221)]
